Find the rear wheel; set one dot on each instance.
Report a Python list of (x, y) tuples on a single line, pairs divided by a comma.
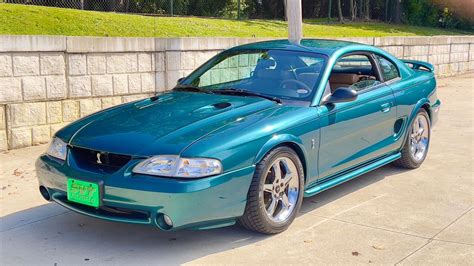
[(276, 192), (418, 139)]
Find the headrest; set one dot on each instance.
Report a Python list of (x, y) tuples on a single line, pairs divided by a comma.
[(344, 78), (265, 63)]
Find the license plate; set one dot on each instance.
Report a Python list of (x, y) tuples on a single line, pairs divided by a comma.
[(83, 192)]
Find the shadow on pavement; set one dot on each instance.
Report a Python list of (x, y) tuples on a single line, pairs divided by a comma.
[(51, 234), (328, 196)]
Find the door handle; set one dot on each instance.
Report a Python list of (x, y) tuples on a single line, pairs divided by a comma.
[(385, 107)]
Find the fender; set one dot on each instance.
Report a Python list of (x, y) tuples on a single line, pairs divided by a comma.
[(413, 113), (277, 140)]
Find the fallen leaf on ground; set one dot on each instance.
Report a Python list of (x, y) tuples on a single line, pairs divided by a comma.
[(355, 253), (16, 172)]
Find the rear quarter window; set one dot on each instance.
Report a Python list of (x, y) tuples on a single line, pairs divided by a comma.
[(389, 70)]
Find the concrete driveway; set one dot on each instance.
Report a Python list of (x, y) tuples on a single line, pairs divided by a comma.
[(390, 216)]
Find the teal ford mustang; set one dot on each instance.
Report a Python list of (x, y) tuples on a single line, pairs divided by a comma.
[(245, 137)]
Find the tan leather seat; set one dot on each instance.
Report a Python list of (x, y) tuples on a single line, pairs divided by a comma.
[(342, 80)]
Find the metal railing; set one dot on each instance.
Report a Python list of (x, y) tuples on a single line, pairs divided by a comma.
[(206, 8), (422, 13)]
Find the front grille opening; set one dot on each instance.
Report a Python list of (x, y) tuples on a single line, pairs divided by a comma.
[(123, 213), (99, 161), (111, 212)]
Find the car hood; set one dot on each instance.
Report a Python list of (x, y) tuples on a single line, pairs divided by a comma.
[(165, 126)]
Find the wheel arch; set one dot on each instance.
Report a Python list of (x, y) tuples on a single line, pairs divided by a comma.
[(287, 140), (421, 104), (427, 108)]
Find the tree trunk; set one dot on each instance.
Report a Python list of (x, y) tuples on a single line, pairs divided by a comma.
[(367, 9), (351, 7), (322, 9), (356, 9), (329, 9), (397, 18), (339, 11)]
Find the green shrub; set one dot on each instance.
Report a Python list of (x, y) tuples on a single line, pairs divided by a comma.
[(425, 13)]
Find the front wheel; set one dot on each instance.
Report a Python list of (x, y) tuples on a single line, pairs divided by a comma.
[(417, 143), (276, 192)]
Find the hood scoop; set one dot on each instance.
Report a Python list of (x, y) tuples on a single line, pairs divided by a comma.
[(153, 101), (221, 105), (213, 107)]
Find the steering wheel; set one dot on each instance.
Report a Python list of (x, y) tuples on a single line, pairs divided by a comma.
[(293, 72), (299, 87)]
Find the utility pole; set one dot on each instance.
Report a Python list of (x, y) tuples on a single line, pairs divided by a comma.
[(295, 21)]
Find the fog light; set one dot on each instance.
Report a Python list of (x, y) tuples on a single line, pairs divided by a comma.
[(163, 221), (167, 220)]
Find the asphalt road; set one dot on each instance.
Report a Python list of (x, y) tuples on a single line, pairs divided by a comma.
[(389, 216)]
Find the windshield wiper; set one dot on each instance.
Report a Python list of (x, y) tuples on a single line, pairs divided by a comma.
[(191, 89), (242, 92)]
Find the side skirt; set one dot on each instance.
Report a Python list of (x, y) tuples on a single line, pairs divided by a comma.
[(332, 182)]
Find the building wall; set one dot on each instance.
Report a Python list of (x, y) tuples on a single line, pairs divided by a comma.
[(48, 81)]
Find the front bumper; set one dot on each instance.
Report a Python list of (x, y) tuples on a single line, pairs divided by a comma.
[(125, 197)]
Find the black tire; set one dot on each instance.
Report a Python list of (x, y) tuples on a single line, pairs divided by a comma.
[(255, 217), (407, 160)]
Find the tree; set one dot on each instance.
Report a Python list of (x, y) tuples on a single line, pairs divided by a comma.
[(339, 11), (367, 10), (397, 19), (329, 10), (352, 10)]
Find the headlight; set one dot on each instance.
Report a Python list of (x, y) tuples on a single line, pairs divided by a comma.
[(57, 149), (198, 167), (173, 166), (164, 165)]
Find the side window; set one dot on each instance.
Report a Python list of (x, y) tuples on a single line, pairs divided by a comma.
[(389, 70), (353, 61), (355, 71)]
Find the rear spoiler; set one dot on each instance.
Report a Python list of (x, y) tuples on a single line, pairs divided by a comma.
[(419, 65)]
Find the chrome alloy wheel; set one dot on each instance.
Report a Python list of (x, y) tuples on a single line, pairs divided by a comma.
[(419, 137), (281, 189)]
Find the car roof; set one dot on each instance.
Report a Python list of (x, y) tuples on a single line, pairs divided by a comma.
[(322, 46)]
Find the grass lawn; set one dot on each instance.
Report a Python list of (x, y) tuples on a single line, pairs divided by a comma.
[(22, 19)]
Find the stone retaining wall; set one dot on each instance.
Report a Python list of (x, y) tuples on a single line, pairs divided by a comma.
[(49, 81)]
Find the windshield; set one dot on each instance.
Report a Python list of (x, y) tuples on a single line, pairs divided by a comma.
[(287, 75)]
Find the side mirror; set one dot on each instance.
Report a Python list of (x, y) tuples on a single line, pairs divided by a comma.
[(180, 79), (340, 95)]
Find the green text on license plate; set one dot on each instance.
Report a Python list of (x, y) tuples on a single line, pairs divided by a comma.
[(83, 192)]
